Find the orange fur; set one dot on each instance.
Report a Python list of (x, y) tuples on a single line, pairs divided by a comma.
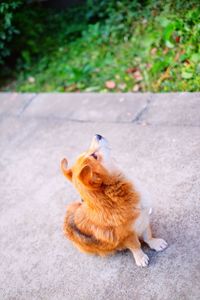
[(103, 222)]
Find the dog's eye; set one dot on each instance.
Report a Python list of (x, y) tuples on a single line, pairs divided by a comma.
[(94, 155)]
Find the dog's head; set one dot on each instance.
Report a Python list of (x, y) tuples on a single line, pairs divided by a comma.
[(92, 168)]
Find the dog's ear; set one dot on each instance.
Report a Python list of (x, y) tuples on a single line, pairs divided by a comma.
[(66, 171), (89, 178)]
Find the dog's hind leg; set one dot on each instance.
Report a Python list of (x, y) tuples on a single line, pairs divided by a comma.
[(154, 243)]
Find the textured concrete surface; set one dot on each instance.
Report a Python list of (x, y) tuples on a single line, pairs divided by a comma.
[(173, 109), (14, 103), (155, 138), (89, 107)]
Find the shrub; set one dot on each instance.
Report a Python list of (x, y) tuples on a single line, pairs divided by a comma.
[(139, 45), (7, 29)]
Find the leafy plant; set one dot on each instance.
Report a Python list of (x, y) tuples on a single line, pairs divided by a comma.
[(127, 45), (7, 29)]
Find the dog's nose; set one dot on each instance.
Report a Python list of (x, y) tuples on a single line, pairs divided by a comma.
[(98, 137)]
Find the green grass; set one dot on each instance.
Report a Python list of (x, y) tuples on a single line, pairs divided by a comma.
[(149, 47)]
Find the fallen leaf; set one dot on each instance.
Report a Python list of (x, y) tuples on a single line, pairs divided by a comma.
[(186, 62), (122, 86), (166, 50), (131, 70), (153, 51), (137, 76), (31, 79), (177, 56), (110, 84), (136, 88)]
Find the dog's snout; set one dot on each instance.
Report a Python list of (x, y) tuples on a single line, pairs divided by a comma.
[(98, 137), (98, 142)]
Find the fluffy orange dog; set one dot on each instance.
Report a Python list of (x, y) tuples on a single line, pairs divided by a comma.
[(111, 216)]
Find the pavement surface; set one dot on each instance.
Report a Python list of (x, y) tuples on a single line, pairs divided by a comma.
[(155, 138)]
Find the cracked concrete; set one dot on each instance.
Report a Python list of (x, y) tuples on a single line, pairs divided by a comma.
[(88, 107), (26, 104), (155, 138), (143, 110)]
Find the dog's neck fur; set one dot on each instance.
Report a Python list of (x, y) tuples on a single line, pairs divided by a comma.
[(110, 204)]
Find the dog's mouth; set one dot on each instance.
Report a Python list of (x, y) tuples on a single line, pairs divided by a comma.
[(100, 150)]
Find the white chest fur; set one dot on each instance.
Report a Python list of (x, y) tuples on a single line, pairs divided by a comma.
[(142, 222)]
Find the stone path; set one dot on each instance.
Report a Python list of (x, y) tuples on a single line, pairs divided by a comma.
[(155, 138)]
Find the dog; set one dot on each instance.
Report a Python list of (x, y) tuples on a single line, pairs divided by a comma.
[(111, 216)]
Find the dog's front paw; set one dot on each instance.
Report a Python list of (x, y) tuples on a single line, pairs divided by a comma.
[(157, 244), (141, 259)]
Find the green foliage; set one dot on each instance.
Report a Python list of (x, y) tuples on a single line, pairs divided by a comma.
[(118, 16), (110, 45), (7, 29)]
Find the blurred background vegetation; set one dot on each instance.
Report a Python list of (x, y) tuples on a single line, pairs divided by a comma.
[(100, 46)]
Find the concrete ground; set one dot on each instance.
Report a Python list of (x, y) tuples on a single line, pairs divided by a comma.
[(155, 138)]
